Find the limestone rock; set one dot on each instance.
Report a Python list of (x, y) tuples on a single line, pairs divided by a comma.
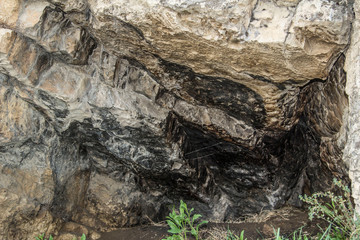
[(111, 111), (290, 40), (9, 12), (351, 119)]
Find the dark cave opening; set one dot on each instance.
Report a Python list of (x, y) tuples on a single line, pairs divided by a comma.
[(279, 167), (222, 176)]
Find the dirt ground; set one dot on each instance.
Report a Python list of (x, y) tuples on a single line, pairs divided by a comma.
[(260, 226)]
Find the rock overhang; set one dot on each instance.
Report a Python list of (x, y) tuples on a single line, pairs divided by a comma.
[(141, 103), (277, 40)]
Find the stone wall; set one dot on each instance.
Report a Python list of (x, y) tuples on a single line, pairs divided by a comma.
[(352, 127), (112, 111)]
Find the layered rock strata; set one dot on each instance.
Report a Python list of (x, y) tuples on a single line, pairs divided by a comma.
[(112, 111)]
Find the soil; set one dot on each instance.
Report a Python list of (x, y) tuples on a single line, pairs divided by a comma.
[(260, 226)]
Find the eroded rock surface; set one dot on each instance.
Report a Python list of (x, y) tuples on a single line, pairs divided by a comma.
[(351, 118), (112, 111)]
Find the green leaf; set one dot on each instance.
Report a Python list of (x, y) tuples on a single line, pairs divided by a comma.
[(194, 232), (203, 222), (168, 238), (242, 235), (196, 216), (178, 221), (173, 227), (174, 231), (181, 211), (51, 237), (173, 214), (83, 237), (40, 237)]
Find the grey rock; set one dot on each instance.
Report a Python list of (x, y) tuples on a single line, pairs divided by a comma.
[(109, 119)]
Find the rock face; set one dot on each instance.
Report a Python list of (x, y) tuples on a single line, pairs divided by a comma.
[(112, 111), (351, 118)]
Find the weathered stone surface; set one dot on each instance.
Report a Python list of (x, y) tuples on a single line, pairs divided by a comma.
[(9, 12), (111, 111), (27, 186), (351, 129), (290, 40)]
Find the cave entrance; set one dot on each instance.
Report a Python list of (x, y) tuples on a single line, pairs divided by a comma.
[(234, 179)]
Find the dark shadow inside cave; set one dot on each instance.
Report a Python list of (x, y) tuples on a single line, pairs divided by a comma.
[(282, 165), (222, 177)]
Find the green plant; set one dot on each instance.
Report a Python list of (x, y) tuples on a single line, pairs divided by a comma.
[(296, 235), (42, 237), (182, 222), (232, 236), (83, 237), (337, 210), (325, 234)]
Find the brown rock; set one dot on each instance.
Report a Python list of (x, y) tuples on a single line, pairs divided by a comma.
[(113, 111), (9, 12)]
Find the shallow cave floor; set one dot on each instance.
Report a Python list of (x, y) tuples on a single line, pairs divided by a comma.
[(260, 226)]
